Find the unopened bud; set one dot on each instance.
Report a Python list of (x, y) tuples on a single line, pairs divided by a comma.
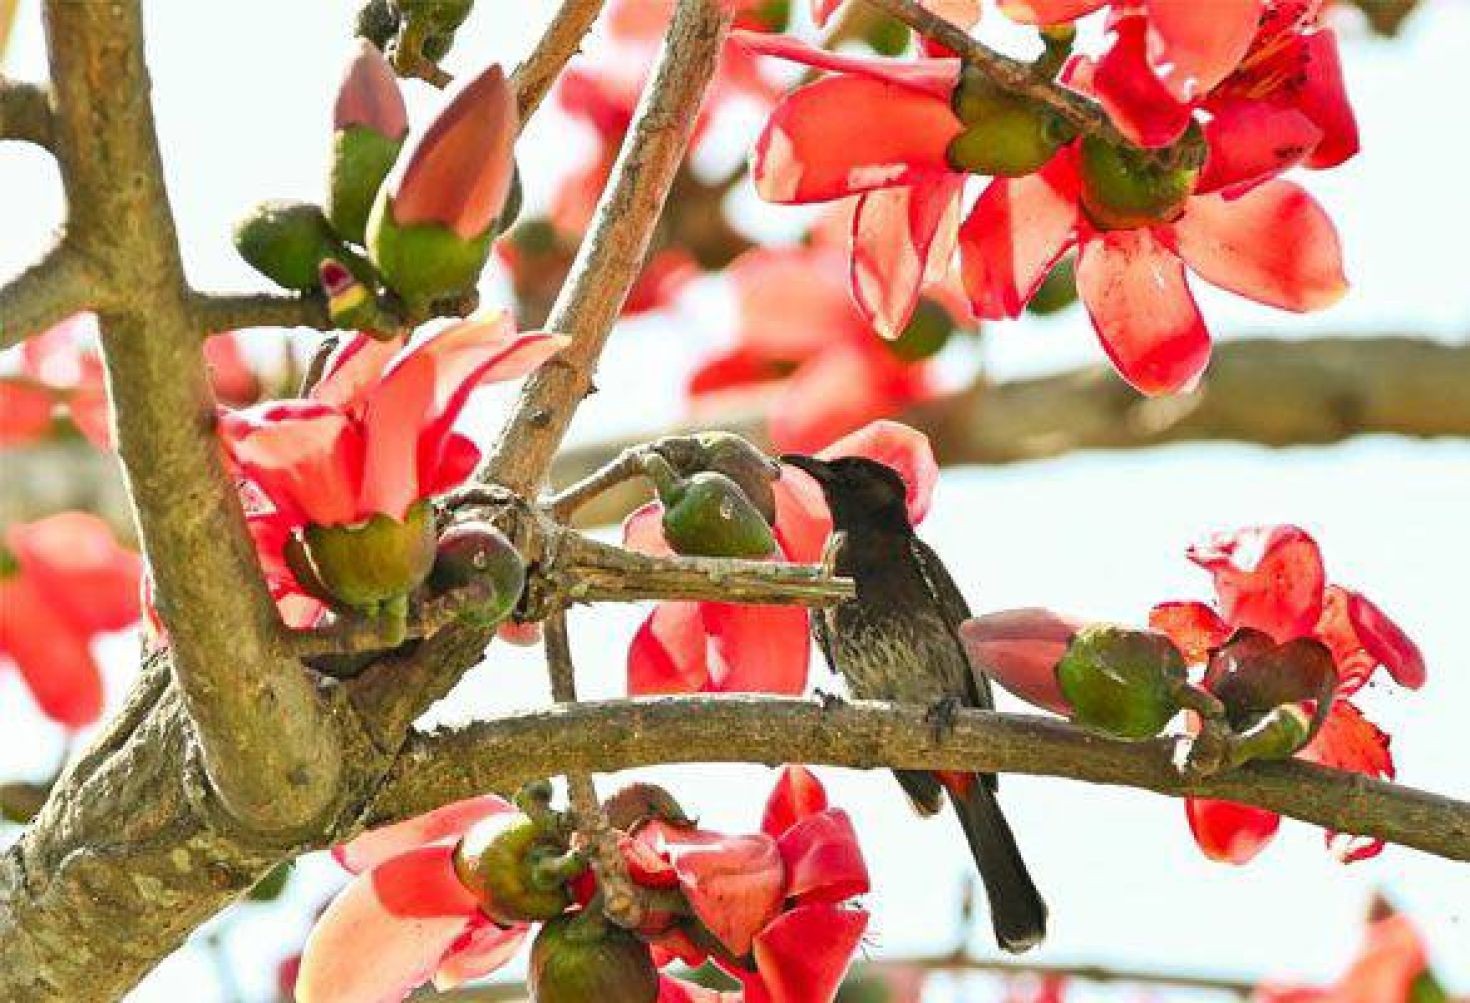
[(1020, 649), (287, 242), (370, 124), (1121, 681), (577, 958)]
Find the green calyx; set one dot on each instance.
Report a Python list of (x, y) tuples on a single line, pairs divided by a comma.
[(514, 870), (287, 242), (1121, 681), (373, 566), (1122, 189), (575, 959), (471, 553), (361, 159), (423, 262), (1006, 134), (707, 515)]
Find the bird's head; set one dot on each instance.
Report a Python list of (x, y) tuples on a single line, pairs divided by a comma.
[(860, 492)]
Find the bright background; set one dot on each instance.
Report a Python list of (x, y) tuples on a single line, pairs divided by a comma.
[(243, 94)]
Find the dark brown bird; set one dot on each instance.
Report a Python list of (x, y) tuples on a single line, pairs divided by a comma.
[(898, 640)]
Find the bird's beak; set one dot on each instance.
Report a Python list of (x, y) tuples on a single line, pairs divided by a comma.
[(818, 469)]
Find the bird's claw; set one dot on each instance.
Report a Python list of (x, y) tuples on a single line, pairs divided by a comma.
[(829, 701), (941, 716)]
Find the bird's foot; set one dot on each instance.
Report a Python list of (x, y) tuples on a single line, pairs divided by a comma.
[(941, 717), (829, 701)]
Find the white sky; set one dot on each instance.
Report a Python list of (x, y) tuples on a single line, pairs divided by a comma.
[(243, 94)]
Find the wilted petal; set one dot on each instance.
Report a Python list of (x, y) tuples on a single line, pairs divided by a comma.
[(797, 794), (386, 842), (824, 862), (1195, 628), (669, 654), (900, 238), (1269, 578), (1230, 833), (1018, 229), (1193, 46), (1146, 318), (1019, 649), (387, 931), (1274, 245), (845, 135)]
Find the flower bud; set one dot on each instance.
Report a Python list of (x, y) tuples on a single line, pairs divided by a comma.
[(369, 123), (708, 515), (1123, 190), (431, 226), (1020, 649), (287, 243), (729, 454), (499, 860), (376, 563), (1121, 681), (474, 552), (577, 958), (350, 304)]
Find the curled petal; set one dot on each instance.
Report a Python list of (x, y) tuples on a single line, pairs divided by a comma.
[(902, 447), (1269, 578), (1230, 833), (901, 239), (447, 823), (1193, 46), (679, 991), (1274, 245), (234, 382), (822, 142), (797, 794), (1018, 229), (1136, 294), (643, 531), (824, 862), (1195, 629), (1386, 641), (1349, 741)]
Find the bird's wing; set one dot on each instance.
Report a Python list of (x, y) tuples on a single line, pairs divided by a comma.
[(821, 628), (954, 610)]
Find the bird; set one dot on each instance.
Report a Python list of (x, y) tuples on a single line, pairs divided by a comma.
[(898, 640)]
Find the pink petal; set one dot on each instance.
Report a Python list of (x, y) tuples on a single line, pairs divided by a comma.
[(902, 447), (306, 456), (802, 520), (935, 77), (386, 842), (757, 649), (643, 531), (1274, 245), (1252, 141), (669, 652), (733, 883), (387, 931), (790, 301), (369, 95), (1195, 629), (1269, 578), (1145, 316), (353, 369), (824, 862), (26, 413), (836, 392), (483, 949), (1230, 833), (804, 954), (230, 375), (1194, 46), (1018, 229), (900, 238), (1019, 649), (846, 134), (798, 793), (74, 560)]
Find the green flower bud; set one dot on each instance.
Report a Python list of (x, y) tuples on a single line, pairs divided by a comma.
[(287, 242), (1121, 681), (471, 552), (376, 563), (708, 515), (423, 262), (361, 159), (729, 454), (575, 959), (499, 860), (1123, 190)]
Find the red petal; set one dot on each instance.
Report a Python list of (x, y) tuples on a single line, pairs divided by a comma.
[(1016, 232), (1195, 629), (53, 656), (668, 654), (1349, 741), (902, 447), (1387, 642), (847, 134), (902, 237), (803, 956), (1323, 98), (1124, 83), (234, 382), (733, 883), (387, 931), (458, 458), (1252, 141), (797, 794), (1230, 833), (73, 559), (1194, 46), (824, 862), (449, 822), (354, 369), (757, 649), (792, 302), (1136, 294), (306, 457), (1274, 245), (679, 991), (486, 947), (1269, 578), (1049, 11), (26, 412), (1020, 649), (934, 77)]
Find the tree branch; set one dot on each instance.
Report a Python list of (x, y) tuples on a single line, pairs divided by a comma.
[(611, 256), (257, 718), (218, 312), (25, 112), (446, 765), (535, 76), (46, 293), (1262, 390)]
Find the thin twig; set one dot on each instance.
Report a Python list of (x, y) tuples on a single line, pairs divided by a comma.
[(218, 312), (501, 754), (611, 256), (535, 76), (619, 898), (45, 294), (25, 113), (626, 466)]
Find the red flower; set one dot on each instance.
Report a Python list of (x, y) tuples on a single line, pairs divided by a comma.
[(726, 648), (800, 343), (405, 917), (1271, 579), (1274, 245), (1393, 959), (59, 371), (63, 581)]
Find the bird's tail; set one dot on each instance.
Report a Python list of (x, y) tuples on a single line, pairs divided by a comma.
[(1016, 908)]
